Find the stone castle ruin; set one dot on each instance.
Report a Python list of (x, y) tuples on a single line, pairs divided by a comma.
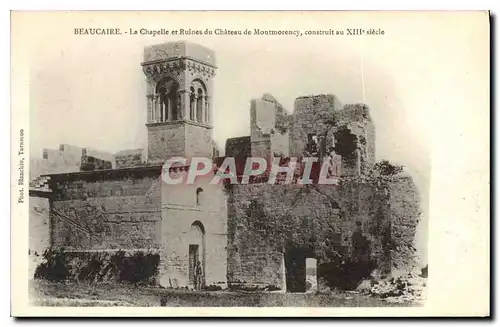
[(254, 235)]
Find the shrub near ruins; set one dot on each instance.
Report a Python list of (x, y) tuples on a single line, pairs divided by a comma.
[(130, 267)]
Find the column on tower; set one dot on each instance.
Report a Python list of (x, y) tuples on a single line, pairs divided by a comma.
[(184, 104), (163, 108), (149, 98), (159, 110), (207, 110), (203, 109), (169, 109), (195, 106), (155, 108), (176, 106), (191, 104)]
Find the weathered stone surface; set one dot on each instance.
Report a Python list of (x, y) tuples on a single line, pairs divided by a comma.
[(319, 126), (166, 140), (119, 211), (238, 147), (264, 219), (129, 158), (173, 50), (39, 223), (193, 215), (185, 70)]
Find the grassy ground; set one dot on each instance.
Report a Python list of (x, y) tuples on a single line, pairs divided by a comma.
[(57, 294)]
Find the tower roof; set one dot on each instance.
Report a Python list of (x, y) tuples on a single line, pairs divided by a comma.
[(179, 49)]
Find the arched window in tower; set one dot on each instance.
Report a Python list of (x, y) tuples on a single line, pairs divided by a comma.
[(207, 110), (163, 104), (199, 191), (191, 103), (172, 103), (198, 92), (178, 110), (199, 105), (166, 92)]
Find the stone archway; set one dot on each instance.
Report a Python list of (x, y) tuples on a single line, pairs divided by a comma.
[(196, 251), (166, 105)]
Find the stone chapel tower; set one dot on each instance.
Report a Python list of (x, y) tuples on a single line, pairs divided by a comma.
[(179, 100)]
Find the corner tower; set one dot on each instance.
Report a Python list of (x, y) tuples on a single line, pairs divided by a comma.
[(179, 100)]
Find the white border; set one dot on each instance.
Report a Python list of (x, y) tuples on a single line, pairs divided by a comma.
[(194, 4)]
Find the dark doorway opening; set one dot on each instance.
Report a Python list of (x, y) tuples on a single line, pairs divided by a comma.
[(194, 257), (295, 269)]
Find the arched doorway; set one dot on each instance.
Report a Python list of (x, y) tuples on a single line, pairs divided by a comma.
[(196, 251)]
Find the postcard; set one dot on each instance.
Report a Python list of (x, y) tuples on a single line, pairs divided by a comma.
[(308, 164)]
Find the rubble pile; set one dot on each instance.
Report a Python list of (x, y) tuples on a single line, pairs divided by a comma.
[(409, 288)]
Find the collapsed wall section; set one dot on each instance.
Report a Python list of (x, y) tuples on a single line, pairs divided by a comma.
[(269, 127), (405, 214)]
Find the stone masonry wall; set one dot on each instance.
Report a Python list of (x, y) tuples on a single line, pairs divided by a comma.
[(269, 124), (39, 232), (263, 219), (198, 141), (310, 116), (405, 214), (262, 120), (55, 161), (96, 210), (129, 158), (356, 118), (166, 140), (193, 214)]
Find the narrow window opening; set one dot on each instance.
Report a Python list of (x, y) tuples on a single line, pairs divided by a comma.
[(199, 190)]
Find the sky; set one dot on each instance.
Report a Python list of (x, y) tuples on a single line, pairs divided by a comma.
[(89, 91)]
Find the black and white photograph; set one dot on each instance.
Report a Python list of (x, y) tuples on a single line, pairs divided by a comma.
[(258, 160)]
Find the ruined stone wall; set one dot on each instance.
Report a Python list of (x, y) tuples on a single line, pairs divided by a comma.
[(90, 163), (129, 158), (65, 160), (238, 147), (106, 210), (263, 219), (405, 214), (262, 120), (280, 144), (319, 126), (68, 159), (370, 144), (97, 154), (356, 118), (269, 124), (39, 232), (311, 116)]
